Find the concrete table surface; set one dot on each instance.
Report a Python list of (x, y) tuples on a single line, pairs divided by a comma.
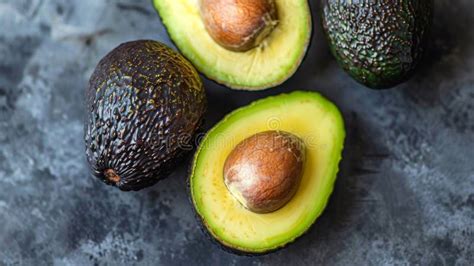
[(405, 193)]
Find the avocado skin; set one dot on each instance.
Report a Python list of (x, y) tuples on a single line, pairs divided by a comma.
[(145, 104), (378, 42)]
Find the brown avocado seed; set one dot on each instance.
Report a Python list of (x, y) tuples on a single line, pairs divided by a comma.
[(239, 25), (263, 172)]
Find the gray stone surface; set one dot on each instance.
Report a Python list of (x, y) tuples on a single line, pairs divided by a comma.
[(405, 193)]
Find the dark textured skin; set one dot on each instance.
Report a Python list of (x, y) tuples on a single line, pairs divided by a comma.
[(145, 103), (378, 42)]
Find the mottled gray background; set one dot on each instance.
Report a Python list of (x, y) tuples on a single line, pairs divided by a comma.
[(405, 193)]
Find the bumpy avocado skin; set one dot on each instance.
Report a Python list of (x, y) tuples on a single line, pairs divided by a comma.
[(145, 103), (378, 42)]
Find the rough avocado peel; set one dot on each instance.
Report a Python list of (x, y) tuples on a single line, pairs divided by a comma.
[(378, 42), (145, 102)]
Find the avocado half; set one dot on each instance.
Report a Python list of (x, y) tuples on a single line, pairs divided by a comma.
[(308, 115), (265, 66)]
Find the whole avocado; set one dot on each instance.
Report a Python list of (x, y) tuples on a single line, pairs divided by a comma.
[(378, 42), (145, 103)]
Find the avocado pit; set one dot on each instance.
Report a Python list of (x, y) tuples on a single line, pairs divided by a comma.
[(263, 172), (239, 25)]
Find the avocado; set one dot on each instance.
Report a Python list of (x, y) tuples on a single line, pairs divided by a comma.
[(254, 49), (379, 43), (145, 103), (253, 198)]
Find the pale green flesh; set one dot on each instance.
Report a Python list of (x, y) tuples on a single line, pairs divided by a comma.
[(265, 66), (309, 116)]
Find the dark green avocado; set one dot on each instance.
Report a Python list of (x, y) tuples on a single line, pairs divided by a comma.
[(145, 103), (378, 42)]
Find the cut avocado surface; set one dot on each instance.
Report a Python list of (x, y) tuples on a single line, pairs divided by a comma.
[(265, 66), (307, 115)]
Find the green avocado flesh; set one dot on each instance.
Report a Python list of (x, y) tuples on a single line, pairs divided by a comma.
[(307, 115), (144, 104), (265, 66), (379, 43)]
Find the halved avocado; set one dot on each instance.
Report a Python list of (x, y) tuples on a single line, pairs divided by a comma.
[(307, 115), (265, 66)]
